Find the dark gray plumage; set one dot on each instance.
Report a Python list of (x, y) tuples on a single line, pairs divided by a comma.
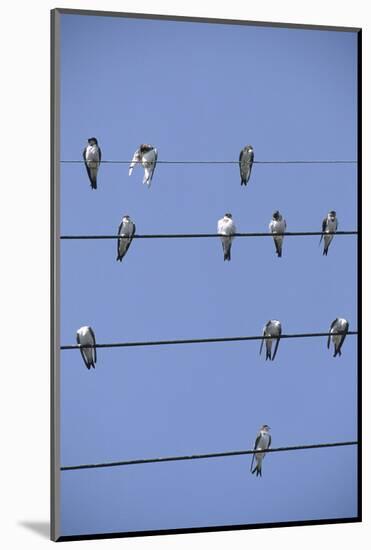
[(338, 329), (92, 156), (85, 338), (329, 225), (272, 331), (246, 160)]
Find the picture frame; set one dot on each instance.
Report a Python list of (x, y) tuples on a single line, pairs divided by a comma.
[(60, 530)]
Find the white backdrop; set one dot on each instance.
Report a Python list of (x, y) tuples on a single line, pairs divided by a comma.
[(24, 273)]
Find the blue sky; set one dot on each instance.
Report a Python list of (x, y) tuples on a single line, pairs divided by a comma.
[(203, 91)]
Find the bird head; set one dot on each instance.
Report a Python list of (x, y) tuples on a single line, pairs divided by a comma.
[(276, 215), (228, 215), (332, 214), (249, 148), (265, 428), (144, 148), (93, 141)]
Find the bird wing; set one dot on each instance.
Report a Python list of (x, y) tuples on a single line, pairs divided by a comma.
[(343, 336), (277, 342), (240, 159), (82, 351), (134, 161), (130, 238), (154, 162), (94, 344), (255, 447), (151, 167), (99, 154), (324, 225), (262, 342), (118, 240), (85, 162), (329, 336)]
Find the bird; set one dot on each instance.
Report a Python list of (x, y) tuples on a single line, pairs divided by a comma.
[(329, 225), (338, 329), (147, 156), (86, 341), (272, 329), (246, 160), (277, 225), (126, 233), (226, 226), (92, 156), (262, 442)]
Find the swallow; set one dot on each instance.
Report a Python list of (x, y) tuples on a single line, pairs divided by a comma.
[(272, 329), (92, 156), (329, 225), (277, 225), (86, 341), (338, 330), (126, 233), (246, 160), (262, 442), (226, 227), (147, 156)]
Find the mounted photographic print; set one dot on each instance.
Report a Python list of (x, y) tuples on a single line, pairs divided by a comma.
[(206, 179)]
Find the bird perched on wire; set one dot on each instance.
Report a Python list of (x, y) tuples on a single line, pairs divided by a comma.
[(227, 229), (338, 329), (126, 233), (262, 442), (86, 341), (147, 156), (277, 225), (272, 330), (246, 161), (329, 225), (92, 156)]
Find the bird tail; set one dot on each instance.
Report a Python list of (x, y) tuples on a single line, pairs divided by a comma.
[(327, 241), (261, 346), (147, 178), (227, 244), (93, 177), (268, 353), (257, 470), (243, 181), (278, 246), (93, 180)]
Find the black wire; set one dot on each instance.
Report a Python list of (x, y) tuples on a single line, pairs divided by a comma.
[(208, 235), (206, 340), (208, 455), (219, 162)]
